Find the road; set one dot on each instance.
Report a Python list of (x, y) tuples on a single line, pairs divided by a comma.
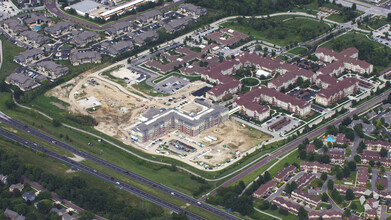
[(16, 124), (365, 7), (51, 5), (298, 141), (98, 174)]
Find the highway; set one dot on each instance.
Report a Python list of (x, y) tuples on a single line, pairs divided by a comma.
[(16, 124), (98, 174), (295, 143)]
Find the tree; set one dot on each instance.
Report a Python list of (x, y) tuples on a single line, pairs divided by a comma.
[(323, 176), (318, 143), (174, 216), (372, 163), (325, 197), (389, 17), (21, 208), (56, 122), (330, 185), (383, 152), (354, 6), (44, 206), (380, 186), (302, 213), (357, 158), (382, 169), (87, 215), (349, 194), (352, 165), (347, 213), (346, 121), (267, 176)]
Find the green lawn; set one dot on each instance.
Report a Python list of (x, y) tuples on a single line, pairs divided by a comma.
[(10, 50), (298, 50), (258, 215), (250, 177), (281, 30), (352, 179), (292, 158), (191, 78), (360, 208)]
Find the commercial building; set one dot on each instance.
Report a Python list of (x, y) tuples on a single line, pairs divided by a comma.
[(160, 122), (315, 167)]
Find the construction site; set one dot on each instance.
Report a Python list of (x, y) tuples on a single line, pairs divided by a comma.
[(117, 108)]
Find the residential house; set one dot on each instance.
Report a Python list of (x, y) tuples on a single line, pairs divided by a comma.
[(29, 196), (310, 148), (287, 205), (32, 38), (37, 18), (315, 167), (119, 28), (22, 81), (29, 56), (14, 26), (176, 25), (59, 212), (79, 57), (377, 145), (224, 91), (82, 38), (265, 189), (284, 174), (69, 217), (325, 214), (303, 196), (252, 109), (305, 180), (51, 69), (150, 16), (362, 176), (145, 37), (192, 10), (120, 47), (336, 156), (368, 156), (59, 29), (13, 215), (335, 93), (3, 179), (18, 186)]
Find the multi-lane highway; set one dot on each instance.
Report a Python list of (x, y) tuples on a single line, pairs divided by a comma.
[(298, 141), (98, 174), (16, 124)]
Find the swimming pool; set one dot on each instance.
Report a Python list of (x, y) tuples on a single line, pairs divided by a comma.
[(37, 27), (330, 139)]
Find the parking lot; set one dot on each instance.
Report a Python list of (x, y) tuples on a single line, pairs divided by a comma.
[(171, 84), (286, 125), (7, 10), (306, 95)]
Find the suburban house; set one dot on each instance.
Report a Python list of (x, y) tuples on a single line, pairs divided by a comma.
[(150, 16), (22, 81), (29, 56), (362, 176), (336, 156), (285, 173), (265, 189), (51, 69), (305, 180), (14, 26), (18, 186), (325, 214), (315, 167), (82, 38), (29, 196), (287, 205), (79, 57), (13, 215), (120, 47), (119, 28), (377, 145), (61, 28), (192, 10), (368, 155), (303, 196), (145, 37)]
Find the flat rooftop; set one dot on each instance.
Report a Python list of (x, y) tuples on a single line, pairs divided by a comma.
[(86, 6)]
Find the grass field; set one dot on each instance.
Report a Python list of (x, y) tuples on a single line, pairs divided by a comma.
[(54, 167), (10, 50), (298, 50), (283, 30), (250, 177), (292, 158), (191, 78), (258, 215)]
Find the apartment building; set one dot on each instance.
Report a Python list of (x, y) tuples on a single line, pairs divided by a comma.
[(315, 167), (265, 189), (336, 92), (302, 196)]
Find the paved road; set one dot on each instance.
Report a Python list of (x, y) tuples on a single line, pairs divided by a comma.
[(98, 174), (298, 141), (53, 8), (12, 122)]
